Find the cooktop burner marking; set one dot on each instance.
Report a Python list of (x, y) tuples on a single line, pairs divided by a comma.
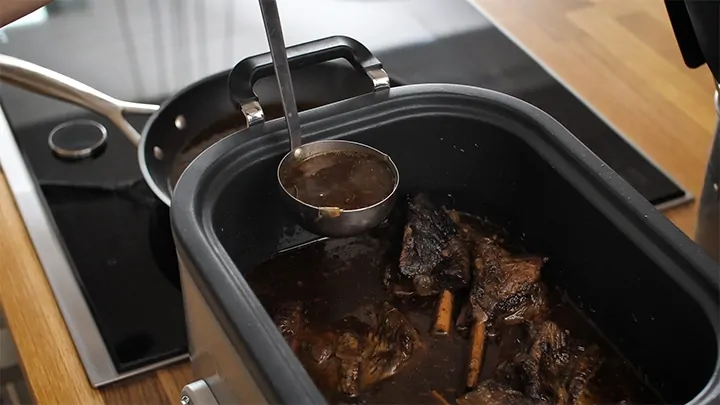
[(78, 139)]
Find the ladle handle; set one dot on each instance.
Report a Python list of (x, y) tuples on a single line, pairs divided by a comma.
[(247, 72), (273, 30)]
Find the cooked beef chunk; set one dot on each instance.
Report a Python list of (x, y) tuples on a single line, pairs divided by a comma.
[(503, 287), (530, 306), (545, 360), (433, 255), (394, 341), (490, 392), (353, 353), (553, 368), (582, 369)]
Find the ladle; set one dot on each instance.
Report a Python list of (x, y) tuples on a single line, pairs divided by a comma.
[(375, 189)]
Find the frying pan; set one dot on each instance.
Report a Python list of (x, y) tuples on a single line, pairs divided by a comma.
[(201, 113)]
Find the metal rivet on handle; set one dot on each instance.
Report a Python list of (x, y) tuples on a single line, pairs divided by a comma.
[(180, 122), (158, 153), (185, 400)]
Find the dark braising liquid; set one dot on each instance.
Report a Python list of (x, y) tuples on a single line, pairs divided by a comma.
[(346, 180), (335, 277)]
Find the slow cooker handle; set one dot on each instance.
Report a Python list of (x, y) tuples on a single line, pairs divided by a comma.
[(247, 72)]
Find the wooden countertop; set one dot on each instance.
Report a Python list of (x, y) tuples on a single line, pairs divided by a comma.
[(618, 55)]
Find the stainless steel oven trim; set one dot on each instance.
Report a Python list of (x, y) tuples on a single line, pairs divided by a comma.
[(58, 267)]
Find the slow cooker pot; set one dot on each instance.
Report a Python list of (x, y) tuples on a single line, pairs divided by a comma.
[(654, 293)]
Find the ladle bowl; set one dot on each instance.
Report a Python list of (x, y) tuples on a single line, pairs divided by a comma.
[(331, 221), (336, 221)]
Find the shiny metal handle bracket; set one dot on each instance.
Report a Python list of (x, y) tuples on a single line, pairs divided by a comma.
[(248, 71), (42, 81), (197, 393)]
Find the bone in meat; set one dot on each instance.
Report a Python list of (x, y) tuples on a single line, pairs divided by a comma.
[(443, 316), (502, 287), (476, 354)]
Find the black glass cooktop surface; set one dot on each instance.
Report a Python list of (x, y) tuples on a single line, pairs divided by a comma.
[(114, 229), (124, 257), (117, 233)]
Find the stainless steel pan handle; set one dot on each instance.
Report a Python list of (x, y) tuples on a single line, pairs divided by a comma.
[(39, 80)]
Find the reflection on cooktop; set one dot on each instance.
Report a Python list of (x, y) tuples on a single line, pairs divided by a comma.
[(120, 246)]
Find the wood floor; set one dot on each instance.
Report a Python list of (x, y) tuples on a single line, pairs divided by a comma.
[(621, 56)]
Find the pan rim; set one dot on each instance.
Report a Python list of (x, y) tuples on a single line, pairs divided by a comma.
[(165, 195)]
